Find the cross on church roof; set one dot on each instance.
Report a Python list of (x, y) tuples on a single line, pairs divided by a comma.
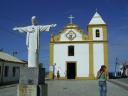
[(71, 18)]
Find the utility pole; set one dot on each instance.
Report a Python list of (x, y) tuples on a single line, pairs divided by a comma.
[(116, 63), (14, 53)]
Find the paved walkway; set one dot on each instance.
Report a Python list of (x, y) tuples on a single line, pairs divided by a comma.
[(120, 82), (124, 80), (82, 88), (71, 88), (8, 90)]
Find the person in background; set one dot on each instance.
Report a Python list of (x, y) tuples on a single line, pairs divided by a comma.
[(58, 75), (102, 77)]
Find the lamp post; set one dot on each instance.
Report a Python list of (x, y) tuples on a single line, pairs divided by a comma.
[(116, 63)]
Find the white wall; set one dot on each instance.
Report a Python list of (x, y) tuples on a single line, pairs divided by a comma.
[(81, 57), (10, 77), (98, 56), (78, 36)]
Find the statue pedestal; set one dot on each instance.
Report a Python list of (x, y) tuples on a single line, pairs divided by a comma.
[(32, 82), (32, 90)]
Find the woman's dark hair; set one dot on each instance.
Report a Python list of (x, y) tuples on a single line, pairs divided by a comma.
[(102, 68)]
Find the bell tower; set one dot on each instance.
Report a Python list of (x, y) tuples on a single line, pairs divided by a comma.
[(97, 33), (97, 28)]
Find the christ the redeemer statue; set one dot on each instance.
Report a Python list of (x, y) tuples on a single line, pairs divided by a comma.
[(32, 40)]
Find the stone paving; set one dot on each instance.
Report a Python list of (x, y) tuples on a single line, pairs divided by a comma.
[(9, 90), (82, 88), (124, 80), (71, 88)]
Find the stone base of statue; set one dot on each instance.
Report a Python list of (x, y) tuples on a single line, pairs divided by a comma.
[(32, 90), (32, 82)]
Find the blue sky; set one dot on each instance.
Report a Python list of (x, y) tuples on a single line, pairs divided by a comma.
[(18, 13)]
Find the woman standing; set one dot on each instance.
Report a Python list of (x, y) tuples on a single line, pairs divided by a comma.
[(58, 75), (102, 77)]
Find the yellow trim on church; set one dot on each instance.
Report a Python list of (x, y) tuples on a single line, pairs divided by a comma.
[(91, 71), (105, 46), (51, 61), (87, 39), (70, 26)]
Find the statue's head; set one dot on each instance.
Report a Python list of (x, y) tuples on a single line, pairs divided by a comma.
[(34, 21)]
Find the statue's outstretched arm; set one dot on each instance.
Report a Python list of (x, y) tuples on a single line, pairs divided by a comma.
[(21, 29), (46, 27)]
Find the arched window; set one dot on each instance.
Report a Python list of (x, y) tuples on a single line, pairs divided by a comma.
[(97, 33), (70, 50)]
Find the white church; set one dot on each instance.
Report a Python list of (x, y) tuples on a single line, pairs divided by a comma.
[(77, 55)]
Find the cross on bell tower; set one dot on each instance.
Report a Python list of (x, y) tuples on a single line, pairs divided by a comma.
[(71, 18)]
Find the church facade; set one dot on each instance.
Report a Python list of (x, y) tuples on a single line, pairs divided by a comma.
[(76, 55)]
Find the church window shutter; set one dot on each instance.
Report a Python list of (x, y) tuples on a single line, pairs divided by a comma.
[(0, 70), (97, 33), (70, 50), (14, 71), (6, 71)]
